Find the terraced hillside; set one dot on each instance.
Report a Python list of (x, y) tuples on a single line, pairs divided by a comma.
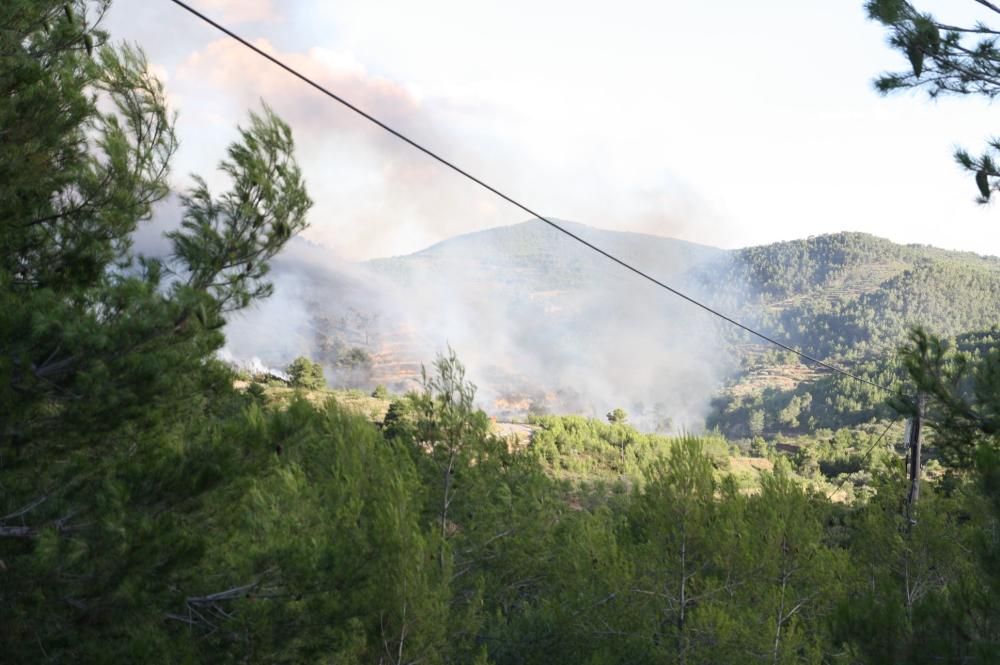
[(545, 324), (848, 298)]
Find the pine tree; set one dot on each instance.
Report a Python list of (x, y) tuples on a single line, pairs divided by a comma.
[(111, 400), (684, 558), (946, 59)]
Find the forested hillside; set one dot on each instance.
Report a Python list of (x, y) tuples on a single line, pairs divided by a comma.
[(851, 295), (848, 299)]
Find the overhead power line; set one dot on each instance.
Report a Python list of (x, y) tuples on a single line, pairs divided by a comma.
[(864, 459), (433, 155)]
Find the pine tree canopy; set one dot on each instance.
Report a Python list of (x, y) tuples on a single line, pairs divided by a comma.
[(946, 59)]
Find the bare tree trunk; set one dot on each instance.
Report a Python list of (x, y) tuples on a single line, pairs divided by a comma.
[(681, 638), (908, 587), (911, 499), (781, 616), (445, 503)]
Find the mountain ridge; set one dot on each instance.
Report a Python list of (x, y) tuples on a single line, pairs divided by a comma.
[(584, 229), (540, 318)]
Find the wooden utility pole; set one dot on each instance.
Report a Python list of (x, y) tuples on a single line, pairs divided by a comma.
[(914, 444)]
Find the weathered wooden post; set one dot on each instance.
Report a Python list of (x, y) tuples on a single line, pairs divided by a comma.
[(914, 461)]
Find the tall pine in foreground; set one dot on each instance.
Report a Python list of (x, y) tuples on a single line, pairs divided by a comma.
[(109, 393)]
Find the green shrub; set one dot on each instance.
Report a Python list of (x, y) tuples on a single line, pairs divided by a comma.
[(304, 373)]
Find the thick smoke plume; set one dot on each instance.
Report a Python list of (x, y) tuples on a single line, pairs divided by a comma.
[(542, 324)]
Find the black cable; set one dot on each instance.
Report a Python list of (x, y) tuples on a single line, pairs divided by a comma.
[(866, 456), (453, 167)]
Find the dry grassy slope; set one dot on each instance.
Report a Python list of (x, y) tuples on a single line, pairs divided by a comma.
[(374, 408), (782, 377), (358, 402)]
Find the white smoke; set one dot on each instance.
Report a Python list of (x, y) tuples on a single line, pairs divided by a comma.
[(594, 339)]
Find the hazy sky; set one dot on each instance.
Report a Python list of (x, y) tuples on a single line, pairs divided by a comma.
[(728, 123)]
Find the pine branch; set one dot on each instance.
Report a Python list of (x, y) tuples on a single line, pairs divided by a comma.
[(989, 5)]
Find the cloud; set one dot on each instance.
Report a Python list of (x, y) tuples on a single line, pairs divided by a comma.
[(240, 11), (371, 189), (377, 196), (244, 77)]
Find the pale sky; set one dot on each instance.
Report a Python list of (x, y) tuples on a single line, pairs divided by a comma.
[(728, 123)]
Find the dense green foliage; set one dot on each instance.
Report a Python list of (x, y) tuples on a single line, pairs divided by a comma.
[(849, 299), (152, 513), (851, 296), (307, 534), (111, 401), (304, 373), (579, 447), (94, 334)]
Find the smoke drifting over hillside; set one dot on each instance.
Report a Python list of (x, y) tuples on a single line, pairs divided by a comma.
[(541, 323)]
